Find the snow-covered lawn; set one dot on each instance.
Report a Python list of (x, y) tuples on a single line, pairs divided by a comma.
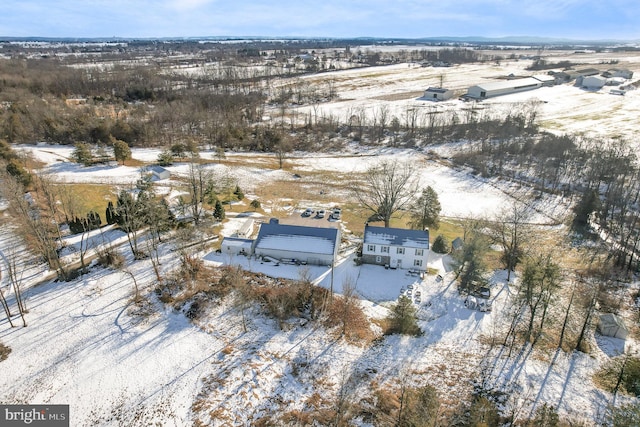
[(116, 363)]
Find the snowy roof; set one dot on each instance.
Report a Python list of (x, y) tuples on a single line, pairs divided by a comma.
[(509, 84), (597, 78), (156, 169), (396, 237), (544, 77), (457, 243), (297, 238), (437, 90), (588, 72), (237, 242)]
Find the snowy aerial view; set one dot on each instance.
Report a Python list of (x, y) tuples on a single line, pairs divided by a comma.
[(343, 219)]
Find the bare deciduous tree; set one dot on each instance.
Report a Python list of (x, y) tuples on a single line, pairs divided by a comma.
[(198, 179), (511, 231), (38, 230), (540, 282), (386, 188)]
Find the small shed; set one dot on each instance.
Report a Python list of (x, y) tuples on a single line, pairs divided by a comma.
[(159, 172), (438, 94), (246, 229), (611, 325), (236, 246), (457, 244)]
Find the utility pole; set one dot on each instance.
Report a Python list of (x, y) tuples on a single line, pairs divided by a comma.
[(331, 288)]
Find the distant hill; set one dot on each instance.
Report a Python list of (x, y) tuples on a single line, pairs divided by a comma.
[(518, 40)]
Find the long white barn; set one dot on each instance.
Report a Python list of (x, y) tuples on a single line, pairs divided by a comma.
[(313, 245), (502, 87)]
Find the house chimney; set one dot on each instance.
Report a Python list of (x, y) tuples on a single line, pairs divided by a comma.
[(274, 221)]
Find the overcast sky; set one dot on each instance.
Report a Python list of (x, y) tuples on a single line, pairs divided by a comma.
[(576, 19)]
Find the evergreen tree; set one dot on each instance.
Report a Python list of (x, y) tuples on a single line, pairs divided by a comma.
[(425, 212), (403, 318), (440, 245), (82, 154), (169, 219), (111, 214), (165, 158), (469, 261), (94, 220), (218, 211), (16, 170), (121, 150), (238, 192), (76, 226)]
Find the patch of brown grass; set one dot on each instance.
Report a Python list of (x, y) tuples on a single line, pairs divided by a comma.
[(93, 197)]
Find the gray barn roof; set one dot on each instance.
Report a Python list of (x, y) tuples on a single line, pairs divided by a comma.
[(396, 237), (274, 235)]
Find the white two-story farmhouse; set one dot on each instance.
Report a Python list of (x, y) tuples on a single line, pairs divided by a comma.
[(396, 247)]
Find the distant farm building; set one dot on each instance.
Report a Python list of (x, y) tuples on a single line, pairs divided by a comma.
[(312, 245), (502, 87), (158, 172), (615, 81), (611, 325), (619, 72), (593, 82), (584, 73), (438, 94), (566, 76), (545, 79)]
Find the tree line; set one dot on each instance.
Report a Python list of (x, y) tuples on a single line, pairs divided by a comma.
[(599, 174)]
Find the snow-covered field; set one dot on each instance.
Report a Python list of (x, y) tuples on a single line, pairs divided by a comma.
[(461, 194), (561, 109)]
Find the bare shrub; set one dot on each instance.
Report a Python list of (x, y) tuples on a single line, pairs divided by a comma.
[(4, 351), (190, 266), (345, 312), (291, 299), (110, 257)]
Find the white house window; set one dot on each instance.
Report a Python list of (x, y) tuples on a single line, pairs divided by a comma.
[(384, 249), (378, 259), (371, 248), (417, 263), (400, 250), (419, 252)]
